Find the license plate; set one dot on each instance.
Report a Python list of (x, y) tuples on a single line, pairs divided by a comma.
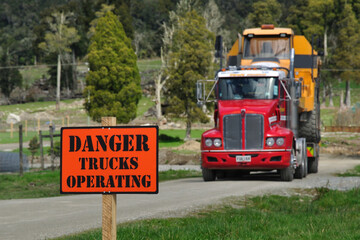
[(243, 158)]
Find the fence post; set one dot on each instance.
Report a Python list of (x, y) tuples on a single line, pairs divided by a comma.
[(26, 128), (20, 149), (41, 150), (51, 129)]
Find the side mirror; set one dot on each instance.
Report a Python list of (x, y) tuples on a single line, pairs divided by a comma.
[(218, 43), (199, 91)]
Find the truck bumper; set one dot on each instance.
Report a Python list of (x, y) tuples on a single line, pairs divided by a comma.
[(260, 160)]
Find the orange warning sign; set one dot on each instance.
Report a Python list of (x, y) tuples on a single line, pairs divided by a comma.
[(109, 160)]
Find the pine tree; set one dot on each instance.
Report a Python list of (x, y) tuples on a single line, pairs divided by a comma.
[(113, 82), (190, 60)]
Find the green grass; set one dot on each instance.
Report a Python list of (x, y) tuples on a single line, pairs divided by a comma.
[(30, 185), (27, 152), (351, 173), (149, 64), (31, 74), (327, 116), (38, 184), (174, 137), (5, 137), (178, 174), (33, 107), (329, 215), (144, 104)]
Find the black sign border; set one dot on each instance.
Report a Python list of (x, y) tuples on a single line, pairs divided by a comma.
[(120, 127)]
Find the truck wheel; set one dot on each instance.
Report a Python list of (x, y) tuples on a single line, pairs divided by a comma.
[(306, 166), (311, 128), (313, 164), (208, 175), (299, 171), (287, 174)]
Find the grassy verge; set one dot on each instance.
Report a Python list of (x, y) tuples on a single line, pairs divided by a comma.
[(46, 183), (30, 185), (174, 137), (351, 173), (330, 215)]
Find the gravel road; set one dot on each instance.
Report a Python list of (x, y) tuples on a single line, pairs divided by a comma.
[(51, 217)]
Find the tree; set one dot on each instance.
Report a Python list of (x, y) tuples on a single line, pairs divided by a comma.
[(215, 21), (190, 60), (9, 77), (347, 53), (319, 19), (58, 41), (265, 12), (181, 8), (113, 81)]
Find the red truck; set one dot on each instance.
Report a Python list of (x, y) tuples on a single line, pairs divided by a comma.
[(266, 113)]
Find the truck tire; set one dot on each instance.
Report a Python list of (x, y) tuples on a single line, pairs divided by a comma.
[(313, 164), (299, 171), (287, 174), (310, 129), (306, 166), (208, 175)]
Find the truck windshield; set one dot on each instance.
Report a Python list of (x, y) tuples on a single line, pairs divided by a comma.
[(267, 47), (248, 88)]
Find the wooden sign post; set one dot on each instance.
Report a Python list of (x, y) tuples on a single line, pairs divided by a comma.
[(109, 160), (108, 200)]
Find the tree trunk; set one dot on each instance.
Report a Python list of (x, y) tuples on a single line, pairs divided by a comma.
[(74, 70), (158, 87), (325, 44), (331, 100), (58, 83), (323, 101), (188, 130), (342, 106), (347, 94)]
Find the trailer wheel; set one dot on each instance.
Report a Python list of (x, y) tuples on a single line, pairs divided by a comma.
[(208, 175), (310, 129), (313, 164)]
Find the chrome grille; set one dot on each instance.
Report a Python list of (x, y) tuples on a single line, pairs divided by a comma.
[(233, 131)]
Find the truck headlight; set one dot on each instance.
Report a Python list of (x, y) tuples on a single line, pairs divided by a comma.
[(208, 142), (217, 142), (270, 142), (280, 141)]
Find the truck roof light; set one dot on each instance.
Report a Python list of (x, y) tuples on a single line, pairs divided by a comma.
[(223, 70), (267, 26)]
